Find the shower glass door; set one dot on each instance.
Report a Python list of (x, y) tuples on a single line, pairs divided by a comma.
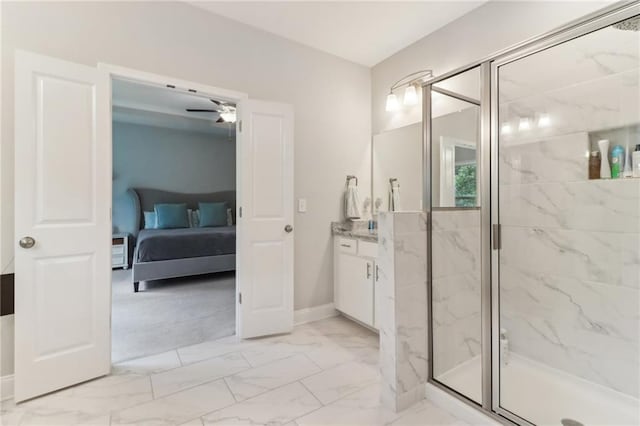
[(454, 235), (568, 198)]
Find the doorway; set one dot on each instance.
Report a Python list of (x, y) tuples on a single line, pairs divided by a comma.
[(173, 282)]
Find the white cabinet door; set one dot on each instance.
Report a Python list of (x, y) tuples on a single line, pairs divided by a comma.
[(265, 227), (355, 287), (63, 219)]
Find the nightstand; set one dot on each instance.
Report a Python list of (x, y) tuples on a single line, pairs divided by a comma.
[(120, 251)]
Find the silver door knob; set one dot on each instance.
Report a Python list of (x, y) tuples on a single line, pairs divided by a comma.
[(288, 228), (27, 242)]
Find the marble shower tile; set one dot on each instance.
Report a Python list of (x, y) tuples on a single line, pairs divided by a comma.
[(275, 407), (194, 374), (598, 205), (177, 408), (449, 220), (612, 258), (553, 159), (336, 382), (455, 252), (270, 376)]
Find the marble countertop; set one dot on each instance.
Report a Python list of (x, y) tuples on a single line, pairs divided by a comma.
[(351, 230)]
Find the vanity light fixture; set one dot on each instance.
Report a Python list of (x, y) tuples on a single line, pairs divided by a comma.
[(506, 129), (392, 102), (411, 82), (410, 95), (524, 124), (544, 120)]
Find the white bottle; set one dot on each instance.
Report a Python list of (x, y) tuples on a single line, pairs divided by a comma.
[(627, 172), (635, 159), (504, 347), (605, 169)]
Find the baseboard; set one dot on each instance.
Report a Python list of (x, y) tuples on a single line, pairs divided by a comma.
[(6, 387), (315, 313)]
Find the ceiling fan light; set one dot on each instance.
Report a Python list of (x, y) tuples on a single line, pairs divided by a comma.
[(229, 117), (410, 95), (392, 102)]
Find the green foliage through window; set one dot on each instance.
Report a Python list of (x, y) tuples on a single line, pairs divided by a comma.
[(466, 185)]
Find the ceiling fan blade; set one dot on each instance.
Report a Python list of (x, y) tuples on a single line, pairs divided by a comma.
[(201, 110), (216, 102), (220, 120)]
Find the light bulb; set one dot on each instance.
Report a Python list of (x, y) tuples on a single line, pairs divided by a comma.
[(392, 102), (524, 124), (506, 129), (544, 120), (410, 95), (229, 117)]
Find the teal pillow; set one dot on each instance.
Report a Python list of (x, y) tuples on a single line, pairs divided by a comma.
[(171, 216), (213, 214), (150, 221)]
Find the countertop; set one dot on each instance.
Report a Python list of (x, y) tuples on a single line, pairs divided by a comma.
[(351, 230)]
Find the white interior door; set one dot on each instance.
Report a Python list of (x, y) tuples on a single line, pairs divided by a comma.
[(62, 202), (265, 231)]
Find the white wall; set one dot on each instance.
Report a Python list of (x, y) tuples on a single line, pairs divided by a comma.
[(485, 30), (331, 97)]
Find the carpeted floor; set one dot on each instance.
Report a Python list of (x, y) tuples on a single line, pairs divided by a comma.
[(168, 314)]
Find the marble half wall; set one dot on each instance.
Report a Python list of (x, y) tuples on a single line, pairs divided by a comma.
[(402, 298)]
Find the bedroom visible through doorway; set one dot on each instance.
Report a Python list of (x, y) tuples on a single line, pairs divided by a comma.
[(174, 204)]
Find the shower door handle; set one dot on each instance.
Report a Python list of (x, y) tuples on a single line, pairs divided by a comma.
[(497, 236)]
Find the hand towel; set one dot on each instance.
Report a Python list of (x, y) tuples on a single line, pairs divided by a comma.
[(394, 197), (351, 201)]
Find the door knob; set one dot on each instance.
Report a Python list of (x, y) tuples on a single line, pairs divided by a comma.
[(288, 228), (27, 242)]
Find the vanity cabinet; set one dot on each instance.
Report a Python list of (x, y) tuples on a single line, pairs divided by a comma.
[(355, 274)]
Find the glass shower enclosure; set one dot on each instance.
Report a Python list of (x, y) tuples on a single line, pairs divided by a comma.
[(533, 198)]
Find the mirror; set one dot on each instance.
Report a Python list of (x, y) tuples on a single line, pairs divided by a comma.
[(397, 169), (455, 134)]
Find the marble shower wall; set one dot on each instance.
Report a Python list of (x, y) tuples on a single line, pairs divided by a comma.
[(570, 262), (402, 298), (456, 288)]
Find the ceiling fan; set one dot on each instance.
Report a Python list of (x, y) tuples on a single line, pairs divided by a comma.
[(227, 112)]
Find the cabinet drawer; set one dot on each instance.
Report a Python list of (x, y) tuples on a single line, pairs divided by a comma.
[(347, 245), (368, 249), (117, 250)]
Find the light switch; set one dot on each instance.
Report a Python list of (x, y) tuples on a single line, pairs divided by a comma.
[(302, 205)]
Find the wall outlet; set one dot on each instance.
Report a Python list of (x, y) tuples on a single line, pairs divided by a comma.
[(302, 205)]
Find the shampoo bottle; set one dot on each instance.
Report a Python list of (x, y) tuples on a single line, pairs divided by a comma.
[(605, 169), (617, 161), (636, 161), (627, 162)]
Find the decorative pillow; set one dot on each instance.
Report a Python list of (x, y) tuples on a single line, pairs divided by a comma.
[(229, 217), (195, 218), (190, 217), (150, 221), (171, 216), (213, 214)]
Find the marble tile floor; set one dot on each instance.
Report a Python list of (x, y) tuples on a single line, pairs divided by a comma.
[(323, 373)]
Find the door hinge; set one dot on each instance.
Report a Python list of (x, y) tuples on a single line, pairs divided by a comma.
[(239, 211), (240, 298), (497, 237), (240, 126)]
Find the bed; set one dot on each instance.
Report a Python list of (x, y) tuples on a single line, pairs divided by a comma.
[(172, 253)]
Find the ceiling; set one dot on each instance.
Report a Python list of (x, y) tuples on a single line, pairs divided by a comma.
[(362, 32), (164, 107)]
